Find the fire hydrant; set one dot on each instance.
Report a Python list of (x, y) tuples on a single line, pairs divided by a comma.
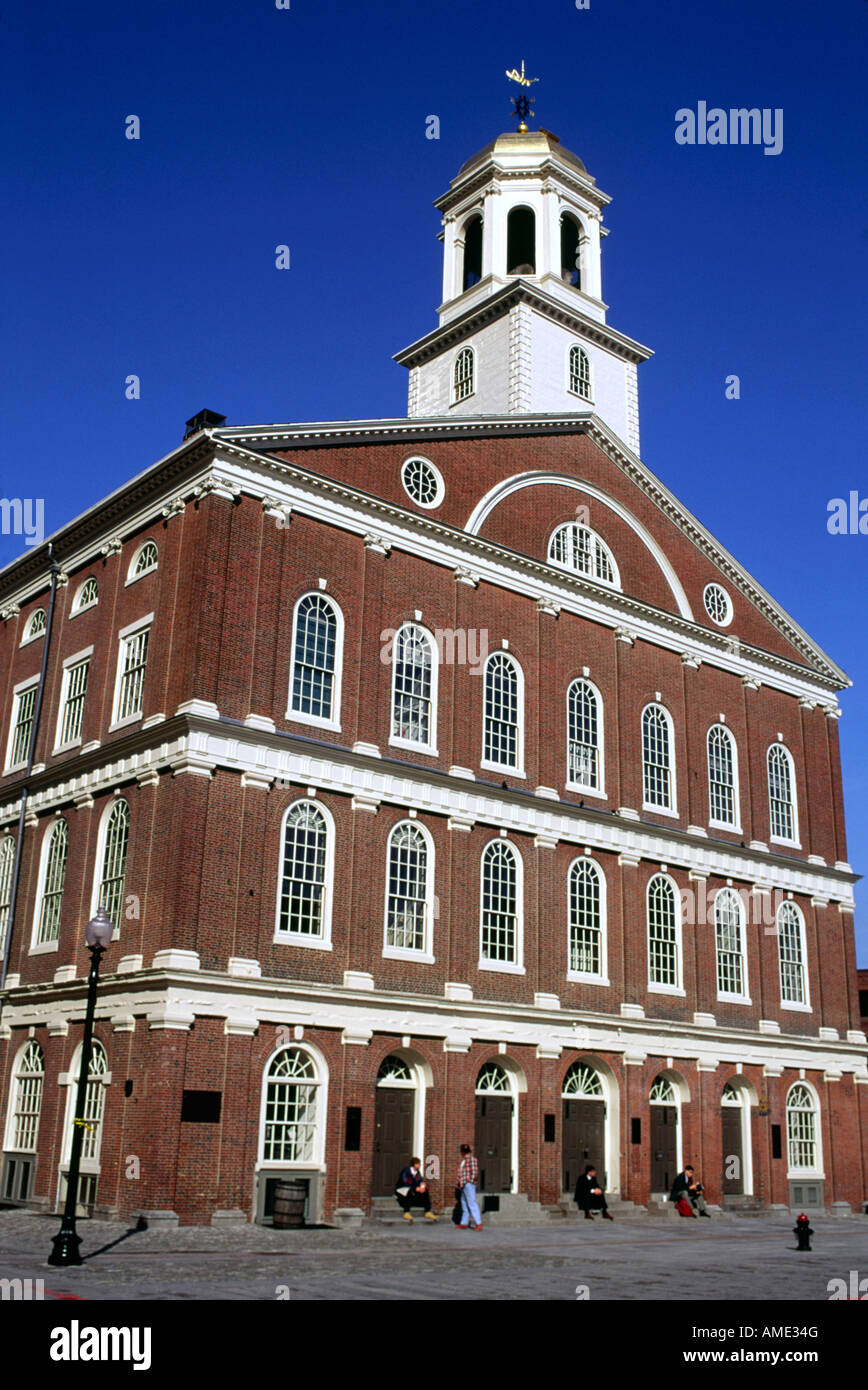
[(803, 1232)]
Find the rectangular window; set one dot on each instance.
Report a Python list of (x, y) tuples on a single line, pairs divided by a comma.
[(777, 1147), (72, 702), (353, 1129), (132, 661), (548, 1129), (201, 1107), (636, 1130), (22, 726)]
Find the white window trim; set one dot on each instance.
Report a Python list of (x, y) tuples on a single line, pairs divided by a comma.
[(723, 996), (17, 691), (9, 1130), (134, 578), (317, 1162), (730, 611), (519, 770), (735, 828), (601, 743), (806, 1007), (653, 986), (288, 938), (28, 636), (794, 803), (502, 967), (77, 607), (430, 748), (69, 1080), (614, 583), (425, 956), (671, 810), (101, 838), (586, 977), (438, 477), (817, 1173), (589, 399), (68, 663), (129, 631), (39, 948), (317, 721), (453, 397)]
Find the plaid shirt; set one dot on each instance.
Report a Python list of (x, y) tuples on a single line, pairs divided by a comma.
[(468, 1170)]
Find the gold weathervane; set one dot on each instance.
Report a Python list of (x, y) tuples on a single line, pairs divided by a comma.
[(522, 103)]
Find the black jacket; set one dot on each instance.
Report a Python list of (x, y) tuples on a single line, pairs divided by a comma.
[(680, 1188), (583, 1190)]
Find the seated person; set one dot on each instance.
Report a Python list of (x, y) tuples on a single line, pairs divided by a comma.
[(412, 1191), (685, 1185), (590, 1196)]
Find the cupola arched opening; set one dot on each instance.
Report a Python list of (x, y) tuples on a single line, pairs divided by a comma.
[(472, 272), (571, 242), (521, 242)]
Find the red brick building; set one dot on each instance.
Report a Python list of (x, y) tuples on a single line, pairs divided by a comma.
[(444, 779)]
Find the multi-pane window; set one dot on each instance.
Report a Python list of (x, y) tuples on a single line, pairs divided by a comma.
[(500, 743), (580, 372), (406, 905), (315, 658), (729, 936), (791, 956), (721, 775), (781, 804), (7, 864), (662, 1092), (133, 661), (582, 1081), (110, 890), (291, 1106), (421, 481), (462, 375), (94, 1100), (801, 1129), (54, 877), (27, 1103), (717, 604), (144, 560), (87, 595), (301, 908), (413, 686), (492, 1081), (583, 736), (579, 548), (500, 903), (656, 758), (22, 726), (35, 626), (74, 692), (586, 918), (663, 965)]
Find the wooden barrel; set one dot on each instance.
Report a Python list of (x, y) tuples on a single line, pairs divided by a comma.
[(289, 1200)]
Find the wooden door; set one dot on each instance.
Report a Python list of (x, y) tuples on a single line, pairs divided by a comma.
[(664, 1147), (493, 1142), (730, 1118), (393, 1137), (584, 1140)]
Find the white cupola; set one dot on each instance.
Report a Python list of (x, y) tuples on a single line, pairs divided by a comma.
[(523, 323)]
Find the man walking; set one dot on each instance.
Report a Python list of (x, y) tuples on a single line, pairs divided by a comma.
[(468, 1177)]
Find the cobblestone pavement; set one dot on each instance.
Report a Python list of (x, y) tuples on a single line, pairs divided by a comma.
[(744, 1258)]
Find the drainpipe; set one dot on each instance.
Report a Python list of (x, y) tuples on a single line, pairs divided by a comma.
[(54, 570)]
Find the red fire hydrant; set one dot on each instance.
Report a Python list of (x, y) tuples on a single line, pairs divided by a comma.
[(803, 1232)]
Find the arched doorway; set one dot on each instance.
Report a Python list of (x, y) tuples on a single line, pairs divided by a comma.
[(495, 1109), (735, 1141), (665, 1137), (584, 1124), (394, 1123)]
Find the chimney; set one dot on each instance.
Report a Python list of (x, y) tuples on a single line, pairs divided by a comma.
[(204, 420)]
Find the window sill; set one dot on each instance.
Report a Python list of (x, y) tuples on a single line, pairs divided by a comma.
[(790, 844), (578, 977), (674, 990), (66, 747), (660, 810), (124, 723), (586, 791), (734, 999), (134, 578), (501, 967), (797, 1008), (424, 748), (78, 611), (395, 953), (316, 721), (311, 943), (503, 767), (725, 825), (42, 948), (14, 767)]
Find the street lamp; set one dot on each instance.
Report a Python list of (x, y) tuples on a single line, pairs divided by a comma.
[(98, 933)]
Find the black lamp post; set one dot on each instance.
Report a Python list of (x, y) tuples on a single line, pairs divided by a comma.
[(98, 933)]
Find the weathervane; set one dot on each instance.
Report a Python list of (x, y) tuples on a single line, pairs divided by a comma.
[(522, 103)]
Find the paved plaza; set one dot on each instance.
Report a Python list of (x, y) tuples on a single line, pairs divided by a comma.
[(751, 1258)]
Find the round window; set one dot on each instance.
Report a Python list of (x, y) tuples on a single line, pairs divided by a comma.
[(718, 605), (422, 482)]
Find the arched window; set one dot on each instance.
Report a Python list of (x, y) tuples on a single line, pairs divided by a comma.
[(23, 1130), (503, 713), (87, 595), (664, 934), (493, 1080), (408, 906), (501, 923), (587, 903), (303, 901), (729, 938), (802, 1146), (521, 242), (582, 1082), (571, 251), (580, 372), (291, 1108), (584, 741), (317, 640), (472, 268), (35, 626), (791, 954), (144, 560), (414, 687), (7, 863), (50, 900), (578, 548), (94, 1102), (113, 868), (722, 787), (462, 376), (662, 1092), (394, 1071), (782, 804), (657, 763)]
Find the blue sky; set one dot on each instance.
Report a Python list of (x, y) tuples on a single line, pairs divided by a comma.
[(306, 126)]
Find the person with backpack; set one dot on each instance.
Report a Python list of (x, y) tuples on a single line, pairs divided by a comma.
[(687, 1194)]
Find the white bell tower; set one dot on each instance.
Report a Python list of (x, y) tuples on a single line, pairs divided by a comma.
[(523, 323)]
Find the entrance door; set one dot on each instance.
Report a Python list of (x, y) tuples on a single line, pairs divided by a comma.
[(730, 1117), (393, 1137), (584, 1141), (664, 1147), (493, 1142)]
